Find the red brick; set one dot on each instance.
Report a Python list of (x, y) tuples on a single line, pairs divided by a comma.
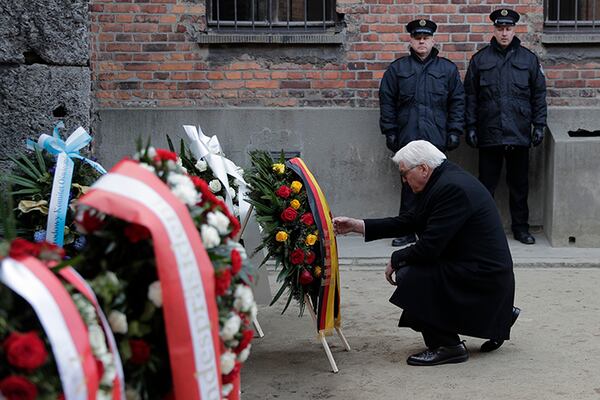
[(295, 85), (262, 84)]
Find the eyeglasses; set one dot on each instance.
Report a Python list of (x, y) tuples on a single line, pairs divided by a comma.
[(403, 173)]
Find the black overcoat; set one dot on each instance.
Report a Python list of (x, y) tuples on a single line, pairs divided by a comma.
[(459, 276), (422, 100)]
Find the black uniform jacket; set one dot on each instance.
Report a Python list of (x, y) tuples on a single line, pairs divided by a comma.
[(506, 94), (459, 276), (422, 100)]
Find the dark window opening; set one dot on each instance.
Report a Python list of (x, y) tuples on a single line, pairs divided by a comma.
[(572, 15), (278, 16)]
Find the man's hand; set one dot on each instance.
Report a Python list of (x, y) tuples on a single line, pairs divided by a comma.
[(471, 138), (537, 137), (343, 225), (391, 141), (452, 142), (389, 272)]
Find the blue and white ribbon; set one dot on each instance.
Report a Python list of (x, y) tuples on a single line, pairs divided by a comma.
[(209, 149), (61, 186)]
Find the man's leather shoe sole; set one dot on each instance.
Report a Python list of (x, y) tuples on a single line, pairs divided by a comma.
[(524, 237), (494, 344), (441, 355)]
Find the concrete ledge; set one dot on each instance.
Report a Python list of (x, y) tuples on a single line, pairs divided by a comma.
[(570, 38), (267, 38)]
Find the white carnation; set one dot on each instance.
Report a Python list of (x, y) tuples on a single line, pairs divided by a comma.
[(155, 294), (201, 165), (244, 299), (227, 362), (215, 186), (226, 389), (118, 322), (231, 327), (219, 221), (97, 339), (220, 198), (183, 188), (253, 311), (151, 152), (243, 356), (148, 167), (171, 165), (210, 236)]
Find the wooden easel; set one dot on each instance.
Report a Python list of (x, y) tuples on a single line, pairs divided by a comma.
[(334, 368)]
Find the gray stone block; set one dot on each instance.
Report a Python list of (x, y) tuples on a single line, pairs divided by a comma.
[(44, 31), (33, 98)]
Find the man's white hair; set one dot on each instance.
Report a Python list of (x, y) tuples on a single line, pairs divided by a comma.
[(419, 152)]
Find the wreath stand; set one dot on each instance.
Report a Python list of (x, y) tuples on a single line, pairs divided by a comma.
[(334, 368)]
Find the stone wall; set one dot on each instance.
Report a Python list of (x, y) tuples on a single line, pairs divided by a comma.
[(44, 69)]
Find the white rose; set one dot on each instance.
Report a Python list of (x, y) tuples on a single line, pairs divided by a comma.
[(227, 362), (243, 356), (253, 311), (231, 192), (231, 327), (215, 185), (220, 198), (151, 152), (97, 339), (244, 299), (155, 294), (226, 389), (219, 221), (132, 394), (171, 165), (201, 165), (210, 236), (118, 321)]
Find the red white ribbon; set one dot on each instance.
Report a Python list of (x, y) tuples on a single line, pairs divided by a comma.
[(131, 193), (71, 276), (63, 325)]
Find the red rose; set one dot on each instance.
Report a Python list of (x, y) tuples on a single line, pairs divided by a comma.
[(25, 350), (136, 233), (297, 256), (222, 281), (50, 251), (236, 262), (284, 192), (140, 351), (15, 387), (307, 219), (230, 377), (289, 214), (88, 221), (310, 257), (22, 248), (100, 368), (165, 155), (247, 336), (306, 277)]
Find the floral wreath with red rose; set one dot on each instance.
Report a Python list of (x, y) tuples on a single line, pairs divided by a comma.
[(289, 233), (121, 268)]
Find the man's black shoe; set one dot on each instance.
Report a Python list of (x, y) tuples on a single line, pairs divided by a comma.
[(404, 240), (441, 355), (494, 344), (524, 237)]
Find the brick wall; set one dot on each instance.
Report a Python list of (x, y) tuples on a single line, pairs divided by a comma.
[(144, 54)]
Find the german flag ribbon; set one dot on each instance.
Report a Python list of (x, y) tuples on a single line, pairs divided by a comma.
[(328, 305)]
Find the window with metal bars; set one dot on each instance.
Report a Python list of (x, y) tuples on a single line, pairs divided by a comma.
[(572, 15), (277, 16)]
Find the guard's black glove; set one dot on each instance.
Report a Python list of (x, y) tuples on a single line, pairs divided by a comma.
[(452, 142), (537, 137), (471, 138), (391, 141)]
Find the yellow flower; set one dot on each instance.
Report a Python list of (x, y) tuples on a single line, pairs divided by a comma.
[(317, 272), (281, 236), (296, 186), (310, 240), (295, 204), (279, 168)]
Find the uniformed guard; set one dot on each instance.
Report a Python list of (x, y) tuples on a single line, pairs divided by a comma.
[(506, 95), (421, 96)]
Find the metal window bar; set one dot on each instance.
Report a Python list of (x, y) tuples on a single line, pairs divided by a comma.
[(576, 4), (235, 17), (594, 14), (253, 16), (577, 15)]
